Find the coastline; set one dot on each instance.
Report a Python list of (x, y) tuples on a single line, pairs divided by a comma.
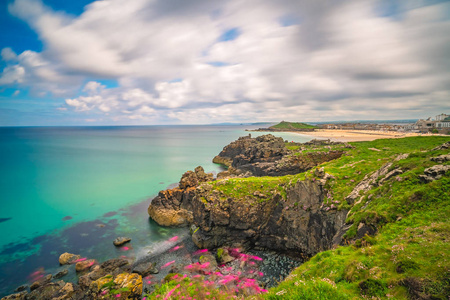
[(338, 135)]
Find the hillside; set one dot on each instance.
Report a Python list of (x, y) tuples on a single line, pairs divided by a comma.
[(395, 240), (292, 126)]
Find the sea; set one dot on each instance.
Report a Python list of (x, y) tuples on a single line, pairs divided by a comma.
[(75, 189)]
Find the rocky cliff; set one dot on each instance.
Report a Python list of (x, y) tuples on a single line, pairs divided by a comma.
[(173, 207), (287, 218), (297, 222), (268, 155)]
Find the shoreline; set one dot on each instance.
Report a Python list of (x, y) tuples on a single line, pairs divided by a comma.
[(339, 135)]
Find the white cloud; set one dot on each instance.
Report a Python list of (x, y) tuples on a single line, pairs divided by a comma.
[(338, 60)]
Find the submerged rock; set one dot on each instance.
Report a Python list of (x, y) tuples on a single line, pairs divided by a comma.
[(61, 274)]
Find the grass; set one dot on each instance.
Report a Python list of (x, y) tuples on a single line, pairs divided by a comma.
[(410, 252), (292, 126)]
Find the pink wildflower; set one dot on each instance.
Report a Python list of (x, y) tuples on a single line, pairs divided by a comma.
[(168, 264), (200, 251), (173, 239)]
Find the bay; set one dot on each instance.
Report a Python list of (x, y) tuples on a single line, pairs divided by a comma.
[(76, 188)]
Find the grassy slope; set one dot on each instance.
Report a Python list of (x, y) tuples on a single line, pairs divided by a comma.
[(292, 125), (412, 218), (413, 241)]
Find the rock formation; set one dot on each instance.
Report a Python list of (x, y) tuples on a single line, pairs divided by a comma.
[(267, 155), (300, 223), (173, 207)]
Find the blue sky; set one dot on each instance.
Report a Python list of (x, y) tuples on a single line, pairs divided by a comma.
[(196, 62)]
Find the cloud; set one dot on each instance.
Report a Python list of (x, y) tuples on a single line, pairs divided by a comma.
[(202, 61)]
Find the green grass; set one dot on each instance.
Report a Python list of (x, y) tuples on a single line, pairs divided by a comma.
[(412, 219), (292, 126), (414, 231)]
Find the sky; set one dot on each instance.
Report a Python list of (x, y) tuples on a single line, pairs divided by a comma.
[(145, 62)]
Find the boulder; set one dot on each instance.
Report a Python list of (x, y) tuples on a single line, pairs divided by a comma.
[(223, 256), (67, 258), (131, 285), (434, 173), (145, 269), (21, 288), (111, 265), (121, 240), (61, 274), (84, 265)]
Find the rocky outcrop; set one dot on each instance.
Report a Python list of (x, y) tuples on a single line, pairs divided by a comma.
[(299, 223), (291, 164), (434, 173), (173, 207), (99, 282), (441, 158), (444, 146), (267, 155), (247, 150), (370, 180)]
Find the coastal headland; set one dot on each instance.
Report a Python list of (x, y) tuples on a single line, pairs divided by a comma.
[(366, 220)]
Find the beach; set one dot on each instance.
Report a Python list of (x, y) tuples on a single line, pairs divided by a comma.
[(359, 135)]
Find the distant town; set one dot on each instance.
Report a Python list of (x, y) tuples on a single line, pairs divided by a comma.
[(440, 124)]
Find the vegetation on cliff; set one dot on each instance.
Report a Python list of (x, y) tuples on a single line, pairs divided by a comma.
[(283, 125), (396, 239)]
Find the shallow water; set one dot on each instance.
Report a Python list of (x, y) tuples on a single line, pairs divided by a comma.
[(77, 188)]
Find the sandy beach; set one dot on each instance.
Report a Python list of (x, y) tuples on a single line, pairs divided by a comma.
[(358, 135)]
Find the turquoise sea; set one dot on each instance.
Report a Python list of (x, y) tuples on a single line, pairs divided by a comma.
[(77, 188)]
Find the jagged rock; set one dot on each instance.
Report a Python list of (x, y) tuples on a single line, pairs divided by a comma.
[(370, 180), (208, 258), (189, 179), (111, 265), (84, 265), (441, 159), (121, 240), (21, 288), (390, 175), (267, 155), (173, 207), (145, 269), (95, 273), (364, 229), (247, 150), (17, 296), (275, 223), (223, 256), (41, 282), (61, 274), (444, 146), (67, 258), (434, 173), (320, 172), (131, 285), (45, 291)]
